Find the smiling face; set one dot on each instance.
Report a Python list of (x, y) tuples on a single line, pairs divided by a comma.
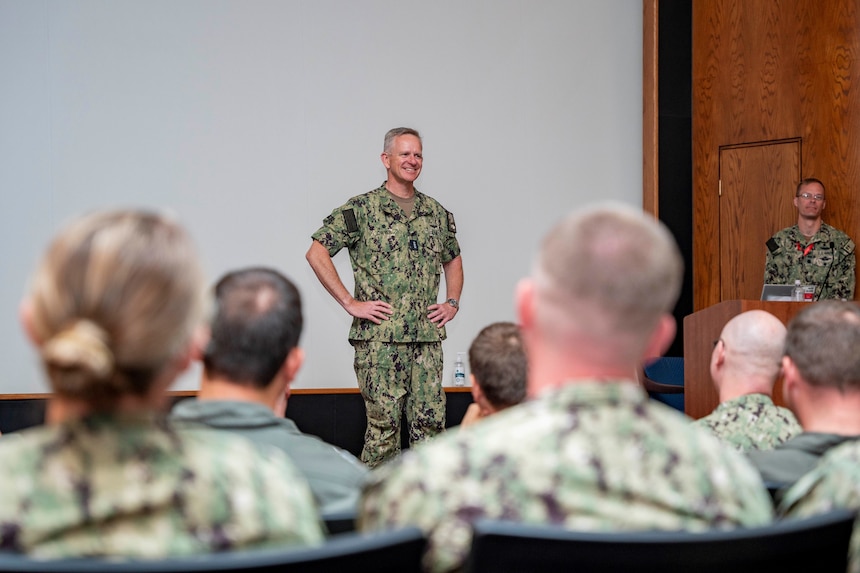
[(810, 208), (403, 160)]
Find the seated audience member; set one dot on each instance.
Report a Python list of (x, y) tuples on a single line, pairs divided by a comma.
[(745, 364), (251, 357), (821, 385), (497, 362), (112, 309), (589, 450), (833, 483)]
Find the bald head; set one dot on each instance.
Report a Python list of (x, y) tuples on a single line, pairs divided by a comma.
[(749, 353)]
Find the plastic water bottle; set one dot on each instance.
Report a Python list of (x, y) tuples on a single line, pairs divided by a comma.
[(459, 371), (798, 292)]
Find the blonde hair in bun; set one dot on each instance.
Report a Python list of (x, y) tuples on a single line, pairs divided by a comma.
[(82, 352), (114, 300)]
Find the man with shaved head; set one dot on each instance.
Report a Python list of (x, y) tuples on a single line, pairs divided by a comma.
[(589, 450), (745, 364)]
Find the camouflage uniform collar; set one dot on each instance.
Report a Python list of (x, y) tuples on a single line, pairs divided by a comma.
[(98, 420), (596, 392), (107, 425), (746, 399), (821, 236), (421, 207)]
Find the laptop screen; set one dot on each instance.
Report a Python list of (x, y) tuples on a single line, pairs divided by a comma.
[(777, 292)]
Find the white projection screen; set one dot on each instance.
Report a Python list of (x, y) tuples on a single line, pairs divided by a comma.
[(251, 120)]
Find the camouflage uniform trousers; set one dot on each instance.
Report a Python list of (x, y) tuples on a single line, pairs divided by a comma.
[(391, 376)]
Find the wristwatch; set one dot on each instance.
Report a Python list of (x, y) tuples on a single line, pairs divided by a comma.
[(454, 302)]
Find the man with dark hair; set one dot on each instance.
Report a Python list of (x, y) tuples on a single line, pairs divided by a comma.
[(248, 363), (497, 361), (399, 241), (812, 251), (821, 385)]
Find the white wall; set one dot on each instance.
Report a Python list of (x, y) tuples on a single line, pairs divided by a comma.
[(252, 119)]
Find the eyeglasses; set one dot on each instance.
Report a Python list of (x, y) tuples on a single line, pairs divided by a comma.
[(717, 341), (809, 196)]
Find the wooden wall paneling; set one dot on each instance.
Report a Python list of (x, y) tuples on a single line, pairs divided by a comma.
[(830, 108), (708, 21), (767, 70), (650, 108), (737, 100), (756, 183)]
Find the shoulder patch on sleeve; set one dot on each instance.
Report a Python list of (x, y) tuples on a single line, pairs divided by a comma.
[(349, 220), (452, 226), (772, 245), (848, 247)]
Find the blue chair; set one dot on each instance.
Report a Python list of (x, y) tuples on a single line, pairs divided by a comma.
[(663, 378), (818, 543), (384, 552)]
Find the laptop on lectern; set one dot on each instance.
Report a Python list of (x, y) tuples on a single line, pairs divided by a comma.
[(777, 292)]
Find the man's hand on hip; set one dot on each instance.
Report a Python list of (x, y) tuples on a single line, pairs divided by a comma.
[(373, 310), (441, 313)]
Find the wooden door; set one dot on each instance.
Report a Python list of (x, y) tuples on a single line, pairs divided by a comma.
[(757, 183)]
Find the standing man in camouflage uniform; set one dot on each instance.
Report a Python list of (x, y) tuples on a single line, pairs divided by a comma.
[(812, 251), (745, 364), (589, 450), (399, 240)]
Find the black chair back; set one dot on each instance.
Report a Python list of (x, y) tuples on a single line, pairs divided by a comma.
[(817, 544), (392, 551), (339, 521)]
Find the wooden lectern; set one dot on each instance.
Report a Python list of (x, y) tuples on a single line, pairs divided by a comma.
[(701, 329)]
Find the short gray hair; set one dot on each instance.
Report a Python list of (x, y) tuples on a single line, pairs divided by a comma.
[(397, 132)]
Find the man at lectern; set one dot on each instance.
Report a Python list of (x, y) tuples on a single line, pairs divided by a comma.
[(812, 251)]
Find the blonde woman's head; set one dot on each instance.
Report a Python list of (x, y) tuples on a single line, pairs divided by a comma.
[(114, 301)]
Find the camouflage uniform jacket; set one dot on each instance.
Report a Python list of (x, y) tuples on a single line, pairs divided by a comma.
[(138, 487), (589, 456), (829, 265), (751, 422), (394, 259), (833, 483)]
